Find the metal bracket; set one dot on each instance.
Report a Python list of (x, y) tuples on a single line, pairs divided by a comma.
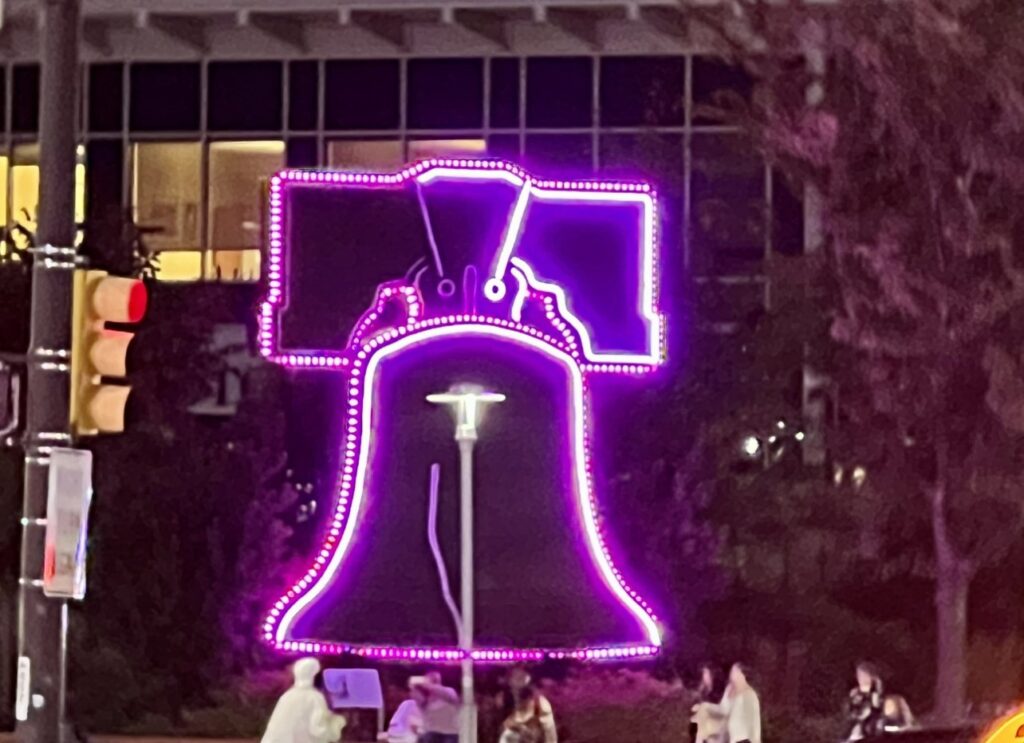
[(15, 401), (54, 250), (51, 353), (53, 436), (51, 366)]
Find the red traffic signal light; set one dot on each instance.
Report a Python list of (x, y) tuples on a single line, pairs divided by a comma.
[(99, 354)]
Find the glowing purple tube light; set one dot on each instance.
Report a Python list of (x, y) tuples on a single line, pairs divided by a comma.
[(520, 306)]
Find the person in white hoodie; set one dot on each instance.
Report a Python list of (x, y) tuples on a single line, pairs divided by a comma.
[(301, 715), (407, 723), (740, 708)]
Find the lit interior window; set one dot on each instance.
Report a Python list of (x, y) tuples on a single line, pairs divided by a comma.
[(165, 193), (180, 265), (365, 154), (423, 149), (239, 174), (165, 205), (4, 174), (24, 193), (233, 265)]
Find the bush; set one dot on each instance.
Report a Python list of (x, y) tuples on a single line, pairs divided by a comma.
[(619, 706)]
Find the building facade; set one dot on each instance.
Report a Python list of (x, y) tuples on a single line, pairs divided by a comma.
[(189, 106)]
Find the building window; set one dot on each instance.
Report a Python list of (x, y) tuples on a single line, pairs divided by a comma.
[(5, 244), (180, 265), (505, 147), (25, 98), (560, 155), (232, 265), (165, 97), (245, 96), (165, 193), (166, 180), (239, 177), (504, 101), (728, 206), (424, 149), (787, 217), (377, 155), (3, 97), (106, 106), (362, 94), (559, 92), (714, 81), (302, 95), (201, 202), (446, 93), (643, 91), (23, 192), (649, 155)]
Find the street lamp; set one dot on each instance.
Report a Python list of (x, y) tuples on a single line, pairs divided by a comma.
[(468, 402), (769, 445)]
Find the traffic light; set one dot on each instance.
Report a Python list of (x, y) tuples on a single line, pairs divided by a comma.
[(99, 353)]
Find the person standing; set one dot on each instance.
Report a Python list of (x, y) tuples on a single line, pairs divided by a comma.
[(529, 721), (740, 708), (440, 710), (517, 680), (703, 726), (301, 715), (864, 705), (407, 723), (896, 715)]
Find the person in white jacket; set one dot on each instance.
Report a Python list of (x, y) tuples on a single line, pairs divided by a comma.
[(740, 708), (407, 723), (301, 715)]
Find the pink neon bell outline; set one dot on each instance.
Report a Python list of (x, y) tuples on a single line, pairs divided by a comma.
[(360, 362)]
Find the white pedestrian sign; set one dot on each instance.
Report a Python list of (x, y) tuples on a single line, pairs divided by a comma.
[(67, 518)]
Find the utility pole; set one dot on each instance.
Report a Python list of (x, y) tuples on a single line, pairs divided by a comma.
[(42, 622)]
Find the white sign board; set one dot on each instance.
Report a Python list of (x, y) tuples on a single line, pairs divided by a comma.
[(67, 522), (353, 688), (24, 688)]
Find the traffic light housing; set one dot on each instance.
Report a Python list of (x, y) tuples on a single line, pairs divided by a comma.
[(99, 393)]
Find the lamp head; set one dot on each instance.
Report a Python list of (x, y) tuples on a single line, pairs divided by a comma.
[(465, 400)]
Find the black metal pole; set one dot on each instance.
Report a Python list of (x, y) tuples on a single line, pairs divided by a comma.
[(42, 621)]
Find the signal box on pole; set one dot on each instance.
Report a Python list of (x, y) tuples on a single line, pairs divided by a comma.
[(99, 391)]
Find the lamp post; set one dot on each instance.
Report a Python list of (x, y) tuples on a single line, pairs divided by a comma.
[(467, 402)]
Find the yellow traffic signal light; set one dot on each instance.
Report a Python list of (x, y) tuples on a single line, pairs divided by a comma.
[(99, 353)]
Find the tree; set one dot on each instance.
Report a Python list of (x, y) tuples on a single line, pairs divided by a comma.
[(191, 519), (914, 145)]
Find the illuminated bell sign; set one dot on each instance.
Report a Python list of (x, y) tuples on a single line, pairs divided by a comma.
[(464, 270)]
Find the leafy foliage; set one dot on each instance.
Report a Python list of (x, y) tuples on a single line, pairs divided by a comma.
[(911, 135), (191, 518)]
